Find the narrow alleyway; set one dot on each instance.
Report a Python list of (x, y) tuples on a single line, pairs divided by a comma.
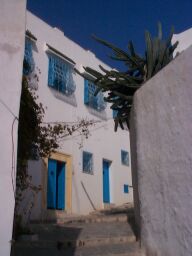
[(108, 232)]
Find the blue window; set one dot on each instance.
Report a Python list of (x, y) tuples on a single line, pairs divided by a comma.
[(87, 162), (97, 102), (28, 62), (60, 75), (126, 188), (125, 157)]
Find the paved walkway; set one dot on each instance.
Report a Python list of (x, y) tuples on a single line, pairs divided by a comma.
[(101, 233)]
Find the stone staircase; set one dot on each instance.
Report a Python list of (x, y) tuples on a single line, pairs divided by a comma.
[(108, 232)]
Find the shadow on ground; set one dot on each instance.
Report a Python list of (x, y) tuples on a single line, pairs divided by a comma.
[(52, 240)]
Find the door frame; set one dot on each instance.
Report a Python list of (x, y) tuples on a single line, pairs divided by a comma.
[(62, 157)]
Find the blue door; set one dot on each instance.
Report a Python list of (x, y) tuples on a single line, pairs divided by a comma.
[(60, 185), (56, 185), (51, 184), (106, 186)]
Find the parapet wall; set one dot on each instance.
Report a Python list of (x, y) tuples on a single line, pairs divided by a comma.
[(161, 141)]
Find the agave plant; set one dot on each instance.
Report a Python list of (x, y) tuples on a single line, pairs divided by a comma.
[(121, 86)]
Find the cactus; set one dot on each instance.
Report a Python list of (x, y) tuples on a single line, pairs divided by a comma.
[(121, 86)]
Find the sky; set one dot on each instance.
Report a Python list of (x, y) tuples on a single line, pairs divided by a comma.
[(116, 21)]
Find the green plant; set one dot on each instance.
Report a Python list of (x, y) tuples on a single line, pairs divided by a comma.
[(121, 86)]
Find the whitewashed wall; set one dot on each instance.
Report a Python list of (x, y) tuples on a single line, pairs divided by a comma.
[(103, 143), (12, 27), (184, 38), (162, 161)]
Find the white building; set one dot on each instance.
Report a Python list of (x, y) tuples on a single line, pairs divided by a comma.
[(85, 174), (184, 38), (12, 38)]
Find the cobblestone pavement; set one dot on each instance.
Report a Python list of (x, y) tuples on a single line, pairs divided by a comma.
[(96, 235)]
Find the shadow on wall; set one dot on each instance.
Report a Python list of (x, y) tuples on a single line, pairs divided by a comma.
[(89, 198), (70, 99), (100, 114), (132, 223)]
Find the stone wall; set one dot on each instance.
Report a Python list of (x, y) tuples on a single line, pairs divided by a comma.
[(161, 138)]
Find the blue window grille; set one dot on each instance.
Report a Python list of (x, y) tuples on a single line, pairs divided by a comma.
[(87, 162), (28, 62), (60, 75), (125, 157), (97, 102), (126, 188)]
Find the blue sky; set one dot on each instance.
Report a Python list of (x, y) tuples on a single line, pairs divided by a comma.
[(116, 21)]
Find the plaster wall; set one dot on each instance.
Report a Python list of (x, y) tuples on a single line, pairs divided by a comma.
[(161, 154), (12, 27), (184, 38), (104, 143)]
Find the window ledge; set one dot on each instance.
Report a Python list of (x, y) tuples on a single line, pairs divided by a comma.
[(91, 173), (101, 114), (70, 99)]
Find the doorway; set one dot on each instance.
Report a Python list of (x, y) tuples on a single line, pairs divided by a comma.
[(106, 181), (56, 185)]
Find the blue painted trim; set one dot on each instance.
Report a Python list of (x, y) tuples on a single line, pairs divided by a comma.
[(51, 184), (28, 62), (106, 182), (60, 185), (126, 188), (86, 92)]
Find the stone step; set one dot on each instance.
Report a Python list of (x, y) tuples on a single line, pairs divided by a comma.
[(126, 208), (81, 234), (70, 243), (120, 214), (104, 250), (94, 219), (112, 213), (107, 232)]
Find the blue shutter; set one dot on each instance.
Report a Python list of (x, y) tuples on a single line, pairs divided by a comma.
[(63, 76), (86, 92), (106, 186), (61, 186), (51, 184), (29, 63), (60, 75), (126, 188), (51, 76)]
